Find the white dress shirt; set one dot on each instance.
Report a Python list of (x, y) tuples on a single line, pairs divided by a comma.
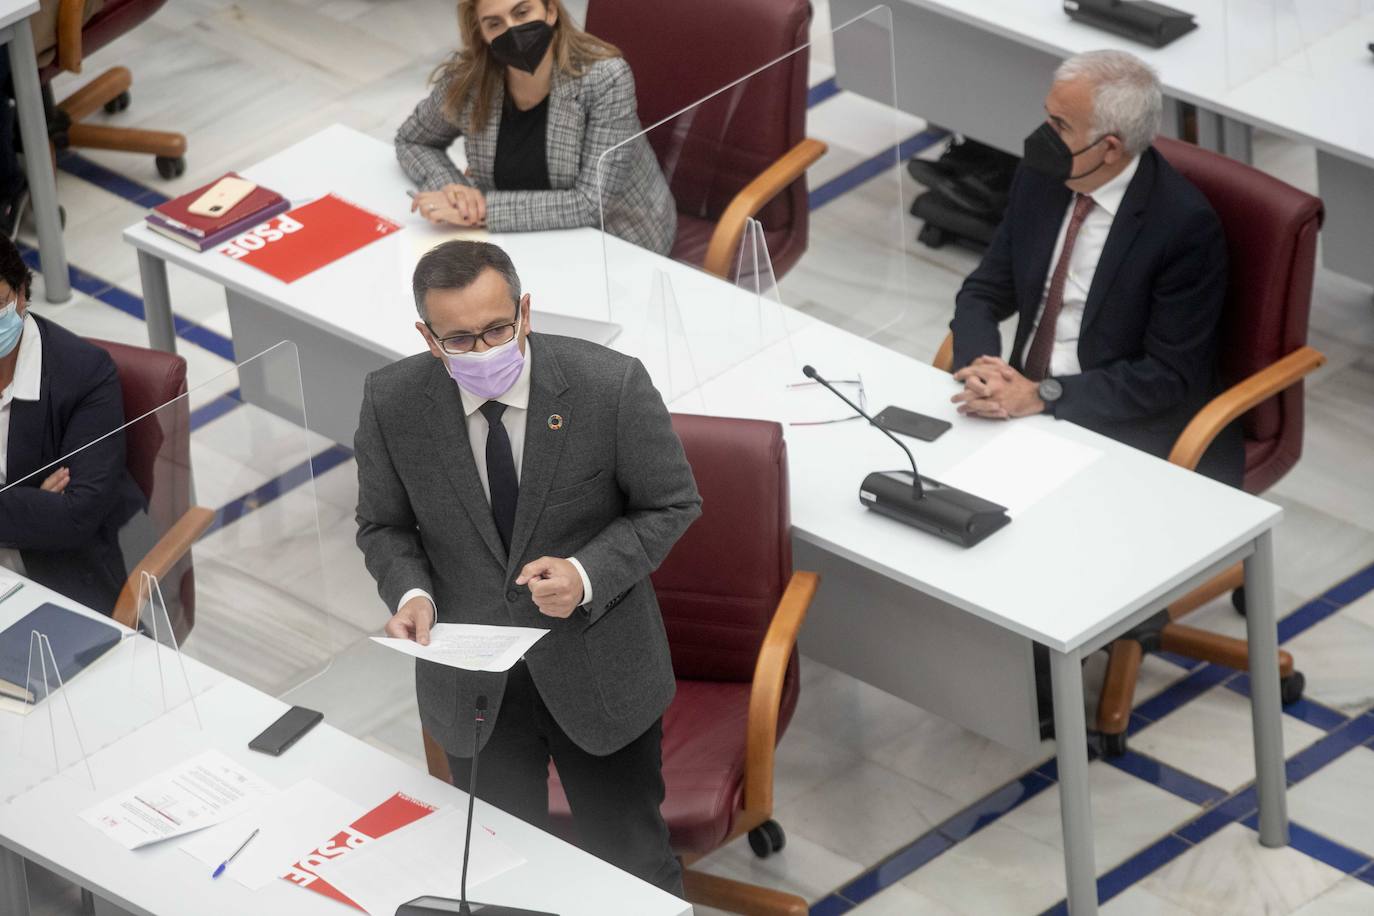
[(1087, 251), (517, 401), (27, 385)]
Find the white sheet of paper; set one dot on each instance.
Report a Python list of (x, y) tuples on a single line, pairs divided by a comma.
[(289, 825), (1020, 467), (471, 646), (418, 859), (196, 793)]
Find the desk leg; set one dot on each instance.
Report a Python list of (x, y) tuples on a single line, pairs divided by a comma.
[(28, 100), (1075, 803), (1262, 633), (157, 302), (14, 884)]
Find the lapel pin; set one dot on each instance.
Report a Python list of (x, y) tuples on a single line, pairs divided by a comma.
[(555, 421)]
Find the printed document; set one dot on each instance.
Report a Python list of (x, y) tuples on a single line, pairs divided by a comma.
[(1020, 467), (197, 793), (289, 823), (471, 646)]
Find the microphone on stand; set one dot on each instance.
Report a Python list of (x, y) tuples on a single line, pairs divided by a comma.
[(927, 504), (445, 906)]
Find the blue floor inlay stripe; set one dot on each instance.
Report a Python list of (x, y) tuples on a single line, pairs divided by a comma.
[(79, 166), (1171, 698), (215, 409), (1319, 847), (975, 817), (892, 157), (833, 905), (1354, 588), (1330, 746), (1309, 711), (1171, 780), (821, 91), (1237, 807), (896, 867), (278, 486)]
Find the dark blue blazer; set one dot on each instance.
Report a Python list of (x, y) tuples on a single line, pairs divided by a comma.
[(1148, 343), (69, 541)]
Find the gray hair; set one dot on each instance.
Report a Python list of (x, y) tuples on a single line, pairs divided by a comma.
[(1127, 100), (457, 265)]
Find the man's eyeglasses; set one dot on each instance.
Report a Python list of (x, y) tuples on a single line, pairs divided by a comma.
[(492, 337), (854, 386)]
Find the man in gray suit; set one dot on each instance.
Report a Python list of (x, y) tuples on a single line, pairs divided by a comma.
[(540, 490)]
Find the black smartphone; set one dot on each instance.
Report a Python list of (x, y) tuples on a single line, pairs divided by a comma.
[(910, 423), (286, 731)]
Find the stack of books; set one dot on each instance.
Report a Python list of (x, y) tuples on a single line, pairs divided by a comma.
[(174, 220)]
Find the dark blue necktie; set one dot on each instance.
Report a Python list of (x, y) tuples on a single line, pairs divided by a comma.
[(501, 479)]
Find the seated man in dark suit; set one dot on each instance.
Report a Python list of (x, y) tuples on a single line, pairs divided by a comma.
[(59, 523), (1116, 268)]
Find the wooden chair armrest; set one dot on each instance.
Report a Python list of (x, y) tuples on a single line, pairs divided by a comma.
[(70, 16), (751, 199), (944, 357), (1197, 436), (765, 696), (166, 553)]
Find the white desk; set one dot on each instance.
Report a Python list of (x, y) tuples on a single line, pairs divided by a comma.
[(42, 824), (33, 130), (945, 628), (982, 67)]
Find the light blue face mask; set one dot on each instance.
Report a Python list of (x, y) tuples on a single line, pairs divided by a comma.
[(11, 326)]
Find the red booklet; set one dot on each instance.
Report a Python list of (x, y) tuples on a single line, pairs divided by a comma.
[(392, 814), (307, 238), (174, 214)]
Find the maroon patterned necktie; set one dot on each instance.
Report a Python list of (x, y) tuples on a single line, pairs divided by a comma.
[(1042, 346)]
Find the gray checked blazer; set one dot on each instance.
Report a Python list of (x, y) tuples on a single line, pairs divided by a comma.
[(608, 484), (587, 116)]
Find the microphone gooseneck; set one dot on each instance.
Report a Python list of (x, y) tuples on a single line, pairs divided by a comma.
[(480, 716), (811, 373)]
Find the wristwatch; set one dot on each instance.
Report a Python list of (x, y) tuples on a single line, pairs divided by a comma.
[(1050, 391)]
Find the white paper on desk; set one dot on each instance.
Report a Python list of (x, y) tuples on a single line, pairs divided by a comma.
[(424, 857), (289, 824), (1020, 467), (197, 793), (471, 646)]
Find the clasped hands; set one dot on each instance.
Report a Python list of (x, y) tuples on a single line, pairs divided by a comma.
[(453, 205), (553, 582), (996, 391)]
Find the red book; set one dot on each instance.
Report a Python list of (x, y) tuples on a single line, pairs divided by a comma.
[(175, 215), (309, 237), (392, 814)]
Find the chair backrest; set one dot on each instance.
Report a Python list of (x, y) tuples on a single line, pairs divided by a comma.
[(102, 21), (722, 581), (1271, 238), (709, 156), (158, 452)]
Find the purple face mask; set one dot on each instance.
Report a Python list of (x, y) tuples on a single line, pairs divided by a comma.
[(488, 374)]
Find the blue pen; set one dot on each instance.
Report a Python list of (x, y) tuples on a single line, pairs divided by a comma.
[(225, 864)]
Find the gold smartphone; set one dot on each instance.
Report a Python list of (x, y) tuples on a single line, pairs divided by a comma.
[(222, 197)]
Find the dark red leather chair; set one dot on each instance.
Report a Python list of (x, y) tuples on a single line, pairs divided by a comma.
[(1271, 239), (741, 154), (158, 445), (65, 31), (732, 605)]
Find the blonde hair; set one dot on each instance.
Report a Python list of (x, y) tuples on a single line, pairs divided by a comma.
[(472, 73)]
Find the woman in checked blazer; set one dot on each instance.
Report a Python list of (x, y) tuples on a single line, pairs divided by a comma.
[(538, 101)]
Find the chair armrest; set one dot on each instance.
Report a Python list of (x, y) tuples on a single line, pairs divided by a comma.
[(944, 357), (1208, 423), (70, 16), (765, 696), (790, 166), (166, 553)]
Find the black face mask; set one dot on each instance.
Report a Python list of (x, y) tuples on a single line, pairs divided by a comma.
[(522, 46), (1047, 153)]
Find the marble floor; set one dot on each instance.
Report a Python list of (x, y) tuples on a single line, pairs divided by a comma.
[(900, 812)]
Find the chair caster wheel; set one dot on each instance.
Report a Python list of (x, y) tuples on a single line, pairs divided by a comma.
[(118, 103), (1113, 745), (1238, 601), (932, 236), (168, 167), (766, 839), (1291, 688)]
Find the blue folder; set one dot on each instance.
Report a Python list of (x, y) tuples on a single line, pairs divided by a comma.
[(77, 641)]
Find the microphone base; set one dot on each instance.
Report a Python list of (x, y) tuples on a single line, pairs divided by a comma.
[(447, 906), (1149, 23), (945, 512)]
